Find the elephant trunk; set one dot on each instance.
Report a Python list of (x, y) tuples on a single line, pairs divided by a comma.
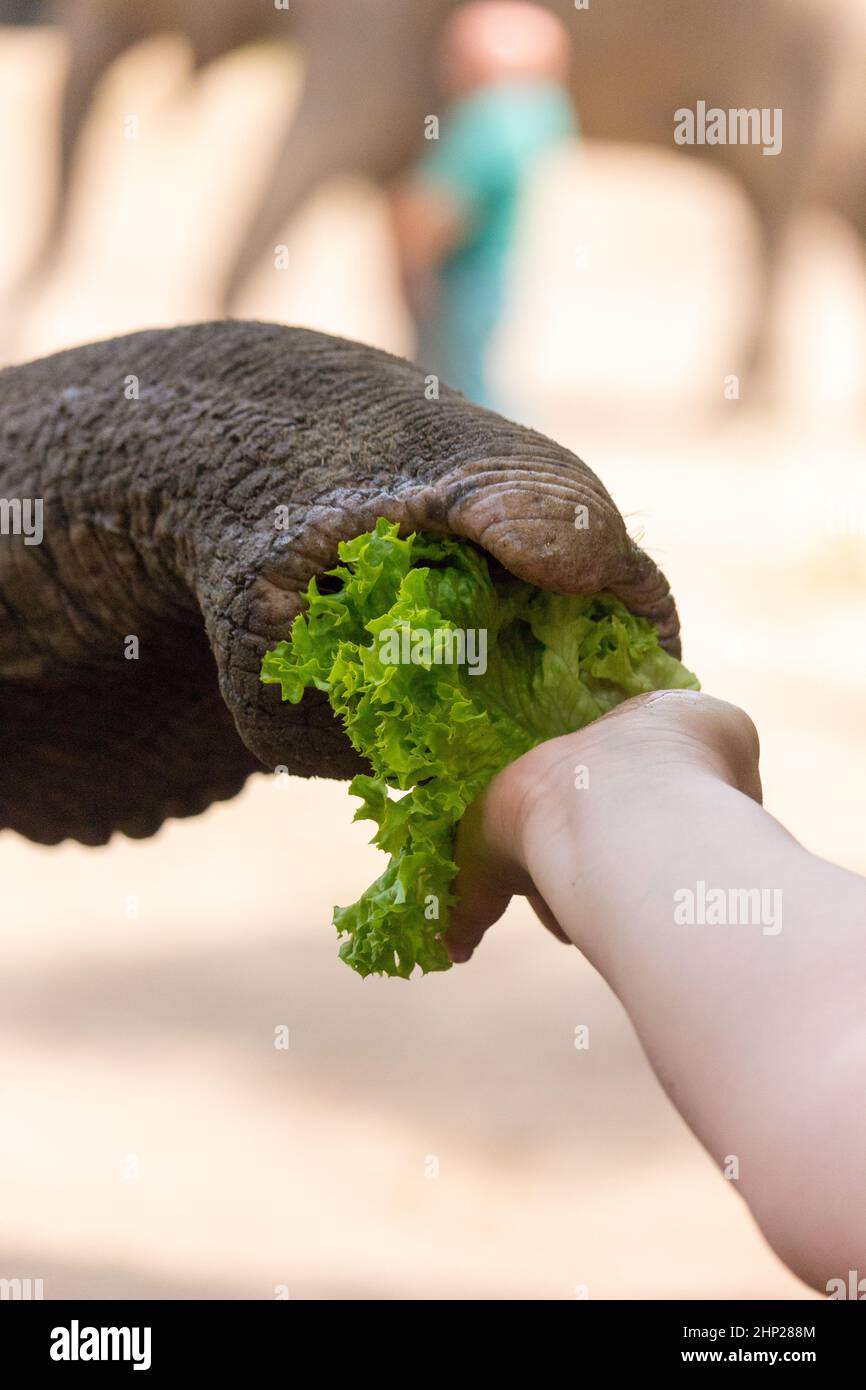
[(192, 481)]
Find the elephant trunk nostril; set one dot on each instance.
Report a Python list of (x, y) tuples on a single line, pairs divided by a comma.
[(328, 583)]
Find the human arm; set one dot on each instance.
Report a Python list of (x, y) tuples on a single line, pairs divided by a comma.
[(756, 1033)]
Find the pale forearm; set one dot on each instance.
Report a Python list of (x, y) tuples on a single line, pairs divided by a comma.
[(746, 1022)]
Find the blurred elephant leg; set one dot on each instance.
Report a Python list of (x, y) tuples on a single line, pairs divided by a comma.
[(758, 351), (97, 32), (778, 183), (837, 179), (20, 12), (308, 153), (359, 112), (776, 192)]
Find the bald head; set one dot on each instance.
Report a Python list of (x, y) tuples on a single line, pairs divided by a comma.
[(495, 40)]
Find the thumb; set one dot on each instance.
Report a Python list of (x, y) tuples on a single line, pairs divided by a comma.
[(491, 869)]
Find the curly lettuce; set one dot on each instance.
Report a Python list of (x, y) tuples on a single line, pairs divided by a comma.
[(441, 675)]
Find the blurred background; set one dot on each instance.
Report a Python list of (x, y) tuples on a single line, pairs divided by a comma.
[(443, 1138)]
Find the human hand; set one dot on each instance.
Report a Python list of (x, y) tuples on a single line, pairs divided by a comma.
[(533, 828)]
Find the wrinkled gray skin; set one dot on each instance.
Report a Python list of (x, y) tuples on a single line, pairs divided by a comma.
[(370, 81), (160, 522)]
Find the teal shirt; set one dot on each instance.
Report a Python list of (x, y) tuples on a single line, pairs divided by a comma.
[(488, 145)]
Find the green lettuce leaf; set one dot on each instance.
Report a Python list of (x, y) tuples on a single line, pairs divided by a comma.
[(440, 676)]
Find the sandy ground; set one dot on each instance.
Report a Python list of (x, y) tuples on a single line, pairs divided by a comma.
[(442, 1138)]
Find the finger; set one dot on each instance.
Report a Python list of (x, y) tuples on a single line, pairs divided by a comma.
[(482, 896), (544, 915), (488, 876)]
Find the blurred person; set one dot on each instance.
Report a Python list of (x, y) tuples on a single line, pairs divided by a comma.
[(505, 66), (369, 82), (748, 999)]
